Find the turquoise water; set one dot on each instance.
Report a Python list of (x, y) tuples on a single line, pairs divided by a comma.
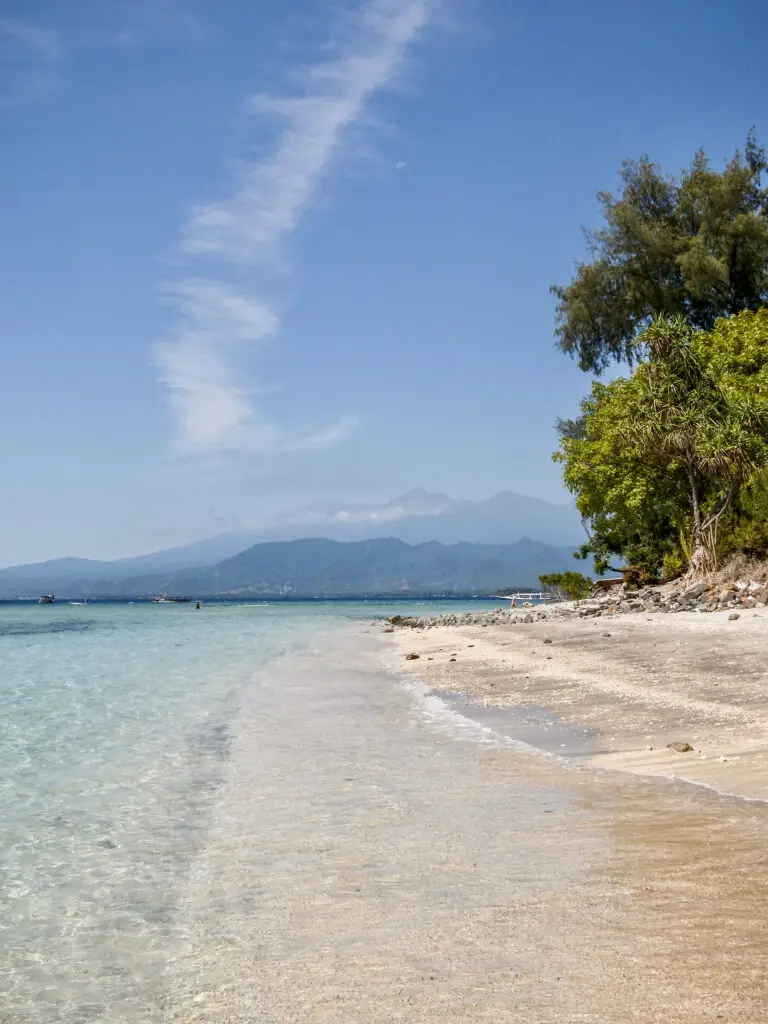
[(115, 738)]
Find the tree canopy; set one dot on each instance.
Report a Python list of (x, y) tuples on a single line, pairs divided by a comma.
[(666, 453), (571, 585), (696, 245)]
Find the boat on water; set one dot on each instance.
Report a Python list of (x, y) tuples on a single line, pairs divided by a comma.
[(46, 599), (169, 599)]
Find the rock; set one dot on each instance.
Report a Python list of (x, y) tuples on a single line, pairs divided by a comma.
[(695, 591), (733, 616), (451, 659), (681, 748), (389, 629), (412, 657), (547, 641), (606, 634), (107, 844)]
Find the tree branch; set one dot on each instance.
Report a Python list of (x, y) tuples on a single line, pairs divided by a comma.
[(723, 508)]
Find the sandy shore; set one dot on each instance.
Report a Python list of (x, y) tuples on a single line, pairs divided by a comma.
[(371, 860), (615, 691)]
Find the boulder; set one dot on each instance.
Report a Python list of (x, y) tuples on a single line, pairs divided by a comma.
[(681, 748), (412, 657)]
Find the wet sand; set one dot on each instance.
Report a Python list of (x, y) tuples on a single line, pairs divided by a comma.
[(617, 689), (377, 856)]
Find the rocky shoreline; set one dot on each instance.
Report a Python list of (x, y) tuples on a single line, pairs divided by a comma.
[(704, 596)]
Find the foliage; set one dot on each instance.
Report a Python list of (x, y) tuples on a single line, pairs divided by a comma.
[(745, 531), (628, 505), (666, 450), (571, 428), (570, 584), (697, 246)]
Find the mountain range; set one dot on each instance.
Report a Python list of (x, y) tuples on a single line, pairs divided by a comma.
[(318, 567), (428, 541), (419, 516)]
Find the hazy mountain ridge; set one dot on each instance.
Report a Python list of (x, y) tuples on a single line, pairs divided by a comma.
[(415, 517), (418, 516), (321, 567)]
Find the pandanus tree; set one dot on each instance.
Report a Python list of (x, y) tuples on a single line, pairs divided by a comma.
[(690, 422), (661, 454)]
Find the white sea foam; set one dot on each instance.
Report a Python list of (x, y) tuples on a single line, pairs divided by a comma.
[(441, 714)]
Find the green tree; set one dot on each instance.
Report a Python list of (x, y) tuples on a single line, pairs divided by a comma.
[(631, 509), (569, 584), (697, 245), (666, 450), (745, 528)]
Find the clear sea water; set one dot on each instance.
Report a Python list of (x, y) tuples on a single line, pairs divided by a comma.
[(237, 815), (116, 726)]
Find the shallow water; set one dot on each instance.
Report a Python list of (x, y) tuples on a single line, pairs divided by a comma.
[(115, 735), (236, 815), (535, 728)]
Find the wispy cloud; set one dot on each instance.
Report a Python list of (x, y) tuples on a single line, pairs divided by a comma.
[(273, 193), (30, 55), (198, 363), (250, 227)]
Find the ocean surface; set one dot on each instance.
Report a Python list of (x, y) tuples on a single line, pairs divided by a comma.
[(237, 815), (117, 725)]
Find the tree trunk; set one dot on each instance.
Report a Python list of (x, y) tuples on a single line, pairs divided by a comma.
[(703, 559)]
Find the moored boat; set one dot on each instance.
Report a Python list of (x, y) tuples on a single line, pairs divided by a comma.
[(46, 599), (169, 599)]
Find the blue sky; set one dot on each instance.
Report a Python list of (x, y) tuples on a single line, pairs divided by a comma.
[(257, 255)]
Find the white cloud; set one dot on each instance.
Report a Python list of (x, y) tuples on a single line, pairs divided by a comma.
[(29, 59), (197, 360), (249, 228), (197, 365), (272, 194)]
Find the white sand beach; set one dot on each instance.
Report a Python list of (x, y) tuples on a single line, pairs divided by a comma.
[(632, 684)]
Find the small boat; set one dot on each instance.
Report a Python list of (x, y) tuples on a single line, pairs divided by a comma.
[(46, 599), (169, 599)]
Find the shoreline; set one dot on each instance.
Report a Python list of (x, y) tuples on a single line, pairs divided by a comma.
[(611, 693)]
